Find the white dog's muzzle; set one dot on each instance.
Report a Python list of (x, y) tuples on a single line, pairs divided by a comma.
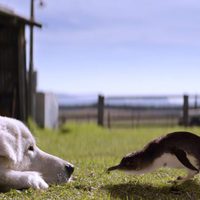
[(56, 171)]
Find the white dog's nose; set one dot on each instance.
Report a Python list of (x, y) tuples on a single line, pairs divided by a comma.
[(69, 169)]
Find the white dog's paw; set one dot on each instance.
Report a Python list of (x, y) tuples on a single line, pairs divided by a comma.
[(36, 181)]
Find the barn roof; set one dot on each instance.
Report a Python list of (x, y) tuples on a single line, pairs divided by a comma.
[(9, 16)]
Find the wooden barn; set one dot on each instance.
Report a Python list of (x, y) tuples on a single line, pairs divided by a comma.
[(13, 71)]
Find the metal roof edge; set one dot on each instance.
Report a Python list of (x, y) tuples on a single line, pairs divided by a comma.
[(10, 13)]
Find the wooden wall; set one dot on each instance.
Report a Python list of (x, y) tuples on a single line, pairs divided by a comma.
[(13, 100)]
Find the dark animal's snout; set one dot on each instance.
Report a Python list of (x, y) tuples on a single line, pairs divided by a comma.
[(69, 169)]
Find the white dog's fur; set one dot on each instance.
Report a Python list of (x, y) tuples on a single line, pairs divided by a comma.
[(23, 164)]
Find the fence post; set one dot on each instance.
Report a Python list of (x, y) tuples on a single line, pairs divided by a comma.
[(196, 102), (185, 110), (100, 111), (108, 118)]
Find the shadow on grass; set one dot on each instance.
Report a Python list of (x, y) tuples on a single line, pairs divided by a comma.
[(63, 129), (188, 190)]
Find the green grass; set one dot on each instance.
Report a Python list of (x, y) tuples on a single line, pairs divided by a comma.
[(92, 150)]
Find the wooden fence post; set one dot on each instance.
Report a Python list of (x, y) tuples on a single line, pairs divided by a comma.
[(108, 120), (100, 110), (196, 102), (185, 110)]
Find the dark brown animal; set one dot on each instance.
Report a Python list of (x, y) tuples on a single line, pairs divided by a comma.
[(176, 150)]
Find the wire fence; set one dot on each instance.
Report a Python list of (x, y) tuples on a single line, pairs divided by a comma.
[(134, 111)]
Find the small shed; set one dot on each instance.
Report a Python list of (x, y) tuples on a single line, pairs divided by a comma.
[(13, 72)]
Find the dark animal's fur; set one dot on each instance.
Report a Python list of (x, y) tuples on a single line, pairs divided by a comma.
[(176, 143)]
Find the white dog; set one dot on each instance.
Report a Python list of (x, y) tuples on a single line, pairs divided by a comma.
[(23, 164)]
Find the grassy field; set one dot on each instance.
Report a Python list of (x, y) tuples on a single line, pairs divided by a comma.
[(92, 150)]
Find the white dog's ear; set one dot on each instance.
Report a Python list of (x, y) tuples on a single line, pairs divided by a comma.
[(7, 148)]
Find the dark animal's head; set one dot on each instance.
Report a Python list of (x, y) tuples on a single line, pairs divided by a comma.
[(128, 163)]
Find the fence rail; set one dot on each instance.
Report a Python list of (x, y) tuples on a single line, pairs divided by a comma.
[(132, 111)]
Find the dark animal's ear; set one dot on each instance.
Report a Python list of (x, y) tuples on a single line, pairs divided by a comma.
[(7, 147)]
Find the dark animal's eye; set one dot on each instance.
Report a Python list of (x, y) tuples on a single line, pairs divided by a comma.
[(31, 148)]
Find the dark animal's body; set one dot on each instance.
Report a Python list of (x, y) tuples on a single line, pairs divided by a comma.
[(172, 143), (177, 149)]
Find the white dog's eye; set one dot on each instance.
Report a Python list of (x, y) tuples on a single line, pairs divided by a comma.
[(31, 148)]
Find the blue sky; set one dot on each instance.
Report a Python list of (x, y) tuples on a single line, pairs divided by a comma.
[(116, 46)]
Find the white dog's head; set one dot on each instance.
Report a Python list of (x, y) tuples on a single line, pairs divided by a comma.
[(18, 151)]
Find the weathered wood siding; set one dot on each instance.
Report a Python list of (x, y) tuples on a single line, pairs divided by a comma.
[(12, 72)]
